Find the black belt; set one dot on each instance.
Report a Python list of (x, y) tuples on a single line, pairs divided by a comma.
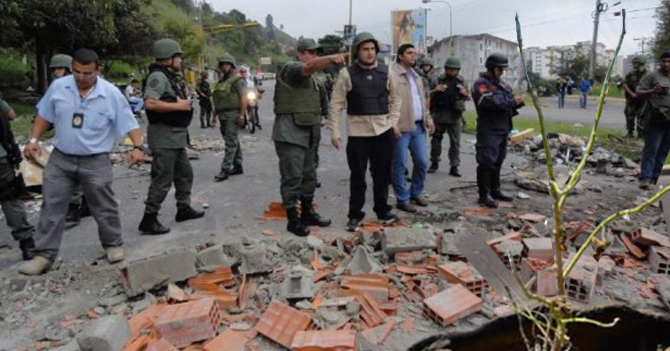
[(70, 155), (419, 121)]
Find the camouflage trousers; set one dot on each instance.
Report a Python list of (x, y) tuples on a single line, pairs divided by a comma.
[(632, 112)]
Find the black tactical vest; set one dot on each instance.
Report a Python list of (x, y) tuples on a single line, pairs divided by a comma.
[(369, 93), (441, 101), (173, 118)]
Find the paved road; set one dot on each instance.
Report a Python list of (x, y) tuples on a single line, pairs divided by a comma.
[(235, 205)]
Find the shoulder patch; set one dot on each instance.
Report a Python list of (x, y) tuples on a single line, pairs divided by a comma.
[(482, 88), (154, 82)]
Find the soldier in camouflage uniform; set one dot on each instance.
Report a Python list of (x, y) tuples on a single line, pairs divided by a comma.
[(230, 105), (169, 112), (633, 103), (296, 132), (12, 185)]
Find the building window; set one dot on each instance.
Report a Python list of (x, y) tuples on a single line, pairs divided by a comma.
[(480, 61), (481, 46)]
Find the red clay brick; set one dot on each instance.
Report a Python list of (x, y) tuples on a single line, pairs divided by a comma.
[(374, 284), (184, 323), (325, 340), (161, 345), (503, 310), (659, 258), (540, 248), (371, 312), (230, 340), (533, 217), (379, 334), (632, 248), (647, 237), (464, 274), (546, 282), (513, 235), (580, 284), (221, 276), (451, 305), (281, 323)]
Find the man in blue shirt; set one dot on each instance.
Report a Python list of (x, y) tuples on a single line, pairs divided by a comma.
[(584, 90), (88, 114)]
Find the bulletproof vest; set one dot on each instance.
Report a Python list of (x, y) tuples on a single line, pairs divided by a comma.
[(303, 100), (173, 118), (369, 91), (7, 142), (225, 94), (446, 100), (495, 121)]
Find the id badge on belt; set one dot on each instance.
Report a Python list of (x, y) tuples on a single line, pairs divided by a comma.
[(78, 120)]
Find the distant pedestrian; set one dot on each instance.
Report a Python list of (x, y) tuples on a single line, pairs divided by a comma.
[(584, 90), (560, 92)]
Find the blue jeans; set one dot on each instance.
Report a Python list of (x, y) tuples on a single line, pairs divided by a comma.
[(417, 144), (582, 98), (136, 104), (656, 147), (561, 100)]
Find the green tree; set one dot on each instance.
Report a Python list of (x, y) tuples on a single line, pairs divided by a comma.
[(662, 38), (331, 44)]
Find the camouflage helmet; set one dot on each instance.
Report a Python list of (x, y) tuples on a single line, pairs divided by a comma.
[(452, 62), (61, 61), (496, 60), (426, 61), (166, 48), (227, 58), (639, 59), (364, 37)]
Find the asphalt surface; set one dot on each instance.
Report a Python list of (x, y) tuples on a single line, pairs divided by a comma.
[(235, 206)]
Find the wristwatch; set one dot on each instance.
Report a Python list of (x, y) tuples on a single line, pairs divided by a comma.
[(138, 147), (32, 140)]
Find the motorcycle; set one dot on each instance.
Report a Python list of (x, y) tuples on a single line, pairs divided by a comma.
[(252, 121)]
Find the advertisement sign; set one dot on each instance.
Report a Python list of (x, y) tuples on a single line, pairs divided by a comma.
[(349, 34), (409, 27)]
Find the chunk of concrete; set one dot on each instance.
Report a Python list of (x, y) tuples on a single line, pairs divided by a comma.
[(214, 256), (397, 240), (145, 274), (71, 346), (448, 244), (362, 263), (254, 258), (299, 284), (105, 334)]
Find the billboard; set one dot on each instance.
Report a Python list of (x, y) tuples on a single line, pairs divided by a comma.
[(409, 27), (349, 34)]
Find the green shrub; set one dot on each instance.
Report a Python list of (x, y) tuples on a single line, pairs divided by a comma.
[(119, 70), (12, 70)]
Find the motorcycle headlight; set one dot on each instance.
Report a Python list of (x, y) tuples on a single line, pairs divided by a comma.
[(251, 95)]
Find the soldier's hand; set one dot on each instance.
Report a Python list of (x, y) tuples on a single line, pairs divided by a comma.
[(441, 87), (519, 101), (337, 141), (135, 157), (464, 93), (339, 59), (431, 128), (240, 121), (658, 89), (32, 151), (183, 104)]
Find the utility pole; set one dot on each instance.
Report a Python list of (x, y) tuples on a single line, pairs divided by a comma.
[(642, 41), (600, 7)]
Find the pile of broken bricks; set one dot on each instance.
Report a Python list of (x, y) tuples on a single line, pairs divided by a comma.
[(337, 293)]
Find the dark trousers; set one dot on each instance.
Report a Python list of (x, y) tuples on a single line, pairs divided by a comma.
[(454, 132), (378, 150), (655, 151)]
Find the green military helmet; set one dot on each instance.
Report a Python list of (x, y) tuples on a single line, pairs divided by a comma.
[(61, 61), (452, 62), (364, 37), (639, 59), (307, 44), (166, 48), (426, 61), (496, 60), (227, 58)]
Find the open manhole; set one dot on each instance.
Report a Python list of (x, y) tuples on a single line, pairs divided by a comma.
[(636, 331)]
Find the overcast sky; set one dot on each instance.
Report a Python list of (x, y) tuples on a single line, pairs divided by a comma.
[(544, 22)]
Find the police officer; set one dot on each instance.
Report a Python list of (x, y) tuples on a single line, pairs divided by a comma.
[(634, 104), (12, 185), (205, 100), (230, 105), (447, 104), (169, 113), (297, 131), (496, 105), (372, 100)]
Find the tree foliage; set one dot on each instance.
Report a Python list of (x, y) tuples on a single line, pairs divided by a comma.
[(662, 38)]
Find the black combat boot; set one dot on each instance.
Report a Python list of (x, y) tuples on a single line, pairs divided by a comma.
[(453, 171), (433, 167), (150, 225), (27, 246), (295, 225), (484, 184), (186, 213), (309, 217), (73, 214), (496, 193)]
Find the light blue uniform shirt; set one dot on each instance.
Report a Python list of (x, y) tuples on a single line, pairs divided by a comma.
[(107, 116), (416, 97)]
